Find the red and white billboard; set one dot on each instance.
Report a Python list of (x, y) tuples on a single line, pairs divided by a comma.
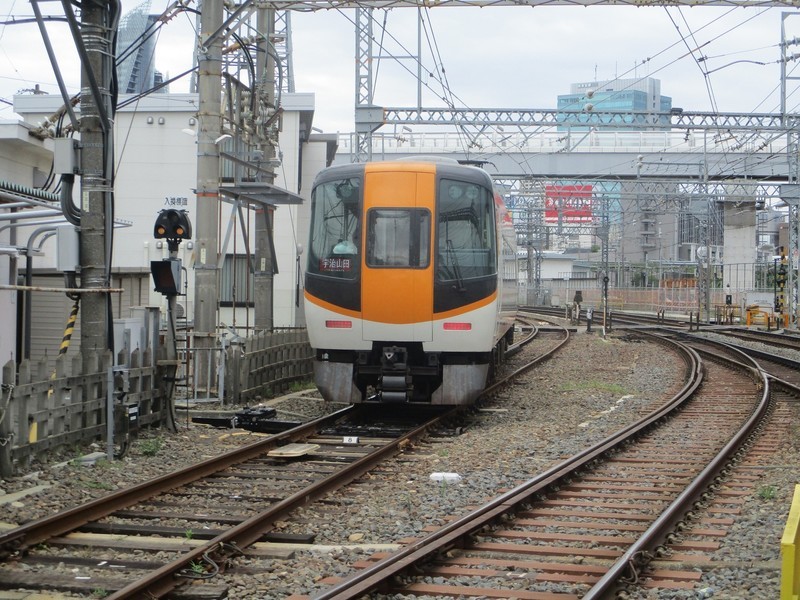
[(572, 202)]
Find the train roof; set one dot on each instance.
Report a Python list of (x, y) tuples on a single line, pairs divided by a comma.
[(444, 166)]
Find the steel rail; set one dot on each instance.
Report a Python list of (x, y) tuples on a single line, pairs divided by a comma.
[(230, 543), (501, 382), (618, 316), (647, 319), (35, 532), (519, 344), (449, 536), (775, 339), (21, 538), (776, 359), (643, 549), (753, 355)]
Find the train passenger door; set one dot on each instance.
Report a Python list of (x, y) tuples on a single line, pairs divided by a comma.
[(397, 278)]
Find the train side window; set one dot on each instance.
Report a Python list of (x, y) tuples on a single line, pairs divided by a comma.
[(398, 237), (335, 228)]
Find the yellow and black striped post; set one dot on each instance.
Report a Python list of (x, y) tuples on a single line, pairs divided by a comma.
[(73, 316), (33, 429)]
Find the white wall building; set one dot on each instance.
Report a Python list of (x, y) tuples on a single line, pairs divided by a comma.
[(24, 160), (740, 245), (156, 168)]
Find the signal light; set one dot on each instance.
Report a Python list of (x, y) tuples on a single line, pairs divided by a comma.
[(172, 224)]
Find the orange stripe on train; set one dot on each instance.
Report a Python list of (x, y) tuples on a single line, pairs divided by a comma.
[(331, 307), (437, 317)]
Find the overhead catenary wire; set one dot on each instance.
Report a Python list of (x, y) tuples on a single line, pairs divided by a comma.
[(512, 147), (445, 84)]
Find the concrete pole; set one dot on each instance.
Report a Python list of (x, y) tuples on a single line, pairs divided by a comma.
[(792, 143), (206, 295), (265, 90), (95, 178), (264, 280), (532, 295)]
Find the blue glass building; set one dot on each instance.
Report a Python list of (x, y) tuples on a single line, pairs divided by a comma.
[(589, 103), (136, 48)]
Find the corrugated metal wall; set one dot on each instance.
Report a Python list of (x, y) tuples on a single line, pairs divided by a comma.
[(50, 311)]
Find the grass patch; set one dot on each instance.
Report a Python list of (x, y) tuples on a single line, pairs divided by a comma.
[(300, 386), (767, 492), (197, 568), (104, 464), (151, 446), (98, 485)]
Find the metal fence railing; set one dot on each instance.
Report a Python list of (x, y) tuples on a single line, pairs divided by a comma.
[(43, 410), (239, 370)]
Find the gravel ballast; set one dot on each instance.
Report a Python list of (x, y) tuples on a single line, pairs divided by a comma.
[(591, 388)]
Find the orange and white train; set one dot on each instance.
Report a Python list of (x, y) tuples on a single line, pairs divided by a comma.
[(411, 282)]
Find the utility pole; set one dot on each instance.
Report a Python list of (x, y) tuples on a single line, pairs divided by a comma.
[(265, 92), (531, 297), (96, 165), (605, 228), (789, 192), (209, 86)]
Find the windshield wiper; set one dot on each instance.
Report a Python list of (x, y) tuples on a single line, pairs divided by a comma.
[(451, 253)]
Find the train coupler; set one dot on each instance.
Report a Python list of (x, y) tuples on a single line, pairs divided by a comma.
[(394, 388), (395, 381)]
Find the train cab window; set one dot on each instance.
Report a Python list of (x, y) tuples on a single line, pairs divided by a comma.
[(335, 231), (466, 243), (398, 237)]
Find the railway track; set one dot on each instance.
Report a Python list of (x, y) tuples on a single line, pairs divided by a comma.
[(171, 536), (150, 539), (615, 317), (596, 522), (781, 340), (783, 369)]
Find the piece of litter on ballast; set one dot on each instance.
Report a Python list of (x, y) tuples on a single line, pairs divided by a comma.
[(446, 477)]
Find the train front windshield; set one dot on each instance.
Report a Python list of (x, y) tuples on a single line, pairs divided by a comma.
[(398, 237), (466, 231), (335, 233)]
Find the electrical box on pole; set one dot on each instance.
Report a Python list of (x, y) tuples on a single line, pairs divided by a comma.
[(68, 249), (66, 156)]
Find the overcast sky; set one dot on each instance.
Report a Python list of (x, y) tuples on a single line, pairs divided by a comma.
[(499, 57)]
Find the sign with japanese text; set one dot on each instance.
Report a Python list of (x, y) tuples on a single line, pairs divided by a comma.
[(572, 202), (335, 265)]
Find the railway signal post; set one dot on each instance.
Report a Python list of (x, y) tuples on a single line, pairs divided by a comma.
[(173, 226)]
